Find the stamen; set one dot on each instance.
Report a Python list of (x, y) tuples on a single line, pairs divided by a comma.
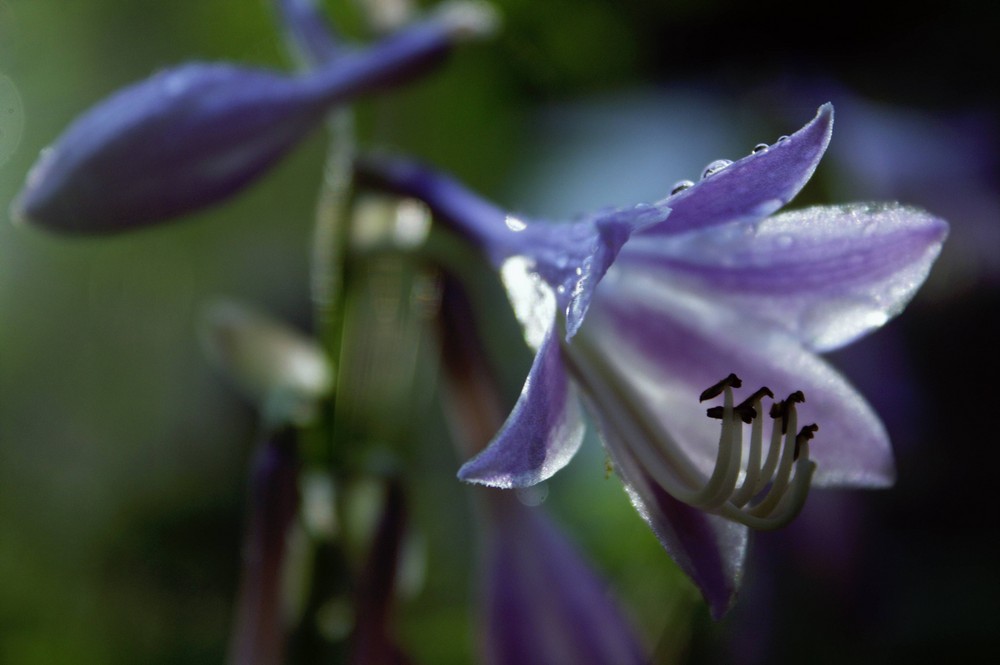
[(727, 464), (805, 435), (781, 483), (749, 487), (731, 381), (771, 495)]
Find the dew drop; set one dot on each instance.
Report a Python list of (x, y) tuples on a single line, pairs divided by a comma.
[(782, 138), (760, 147), (515, 224), (680, 186), (715, 167)]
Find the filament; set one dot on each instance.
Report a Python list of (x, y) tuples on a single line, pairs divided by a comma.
[(772, 492)]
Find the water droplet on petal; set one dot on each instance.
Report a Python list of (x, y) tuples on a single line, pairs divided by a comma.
[(680, 186), (515, 224), (715, 167), (760, 147), (782, 138)]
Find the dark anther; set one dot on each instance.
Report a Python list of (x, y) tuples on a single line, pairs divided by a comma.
[(732, 381), (780, 410), (804, 435), (745, 413), (761, 393), (797, 397)]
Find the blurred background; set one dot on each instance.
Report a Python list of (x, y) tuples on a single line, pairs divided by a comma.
[(123, 457)]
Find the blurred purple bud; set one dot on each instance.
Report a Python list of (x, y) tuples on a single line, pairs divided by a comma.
[(190, 136), (258, 634)]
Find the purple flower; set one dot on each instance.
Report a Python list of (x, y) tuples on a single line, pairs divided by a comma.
[(700, 285), (259, 626), (190, 136), (544, 604)]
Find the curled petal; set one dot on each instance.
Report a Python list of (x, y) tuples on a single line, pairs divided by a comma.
[(753, 187), (544, 604), (542, 433), (665, 347), (827, 275), (573, 258)]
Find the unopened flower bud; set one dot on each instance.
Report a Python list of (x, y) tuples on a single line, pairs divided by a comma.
[(193, 135)]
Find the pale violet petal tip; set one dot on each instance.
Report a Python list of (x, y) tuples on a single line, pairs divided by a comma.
[(753, 187), (542, 433)]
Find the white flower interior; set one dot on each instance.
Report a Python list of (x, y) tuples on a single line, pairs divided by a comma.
[(763, 489)]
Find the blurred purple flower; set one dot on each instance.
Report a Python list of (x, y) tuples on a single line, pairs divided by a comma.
[(544, 604), (259, 632), (190, 136), (700, 285)]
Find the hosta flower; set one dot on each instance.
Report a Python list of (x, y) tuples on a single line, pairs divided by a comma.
[(639, 310), (541, 601), (192, 135)]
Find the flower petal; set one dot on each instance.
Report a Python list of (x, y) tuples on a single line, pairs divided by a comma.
[(827, 275), (709, 549), (573, 258), (542, 433), (668, 346), (753, 187), (544, 603)]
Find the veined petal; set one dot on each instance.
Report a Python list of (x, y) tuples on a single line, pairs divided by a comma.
[(753, 187), (544, 604), (666, 346), (542, 433), (827, 274)]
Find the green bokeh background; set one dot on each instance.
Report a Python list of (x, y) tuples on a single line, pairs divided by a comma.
[(123, 457)]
